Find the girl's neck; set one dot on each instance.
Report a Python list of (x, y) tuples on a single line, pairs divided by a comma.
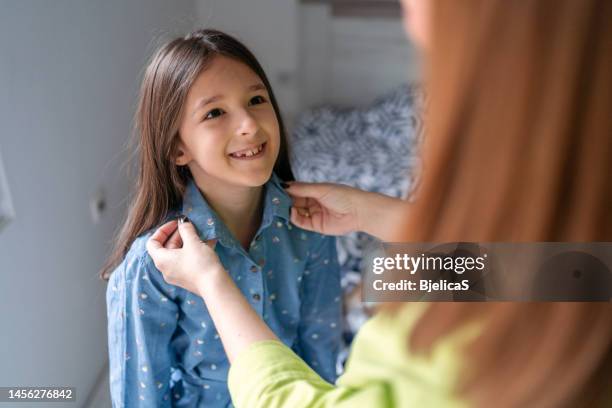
[(240, 208)]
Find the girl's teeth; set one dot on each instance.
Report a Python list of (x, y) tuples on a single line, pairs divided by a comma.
[(250, 152)]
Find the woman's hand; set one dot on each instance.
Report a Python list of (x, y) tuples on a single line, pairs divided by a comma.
[(183, 259), (186, 261), (336, 209), (326, 208)]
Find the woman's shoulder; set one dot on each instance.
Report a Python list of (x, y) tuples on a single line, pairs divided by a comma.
[(385, 339), (383, 342)]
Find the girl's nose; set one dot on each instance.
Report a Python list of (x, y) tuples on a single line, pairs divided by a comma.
[(247, 125)]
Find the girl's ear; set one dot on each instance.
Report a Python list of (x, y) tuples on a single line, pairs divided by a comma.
[(182, 156)]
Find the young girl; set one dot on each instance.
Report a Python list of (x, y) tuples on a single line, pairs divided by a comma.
[(212, 148)]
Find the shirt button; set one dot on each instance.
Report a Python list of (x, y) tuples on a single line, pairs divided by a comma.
[(254, 269), (256, 296)]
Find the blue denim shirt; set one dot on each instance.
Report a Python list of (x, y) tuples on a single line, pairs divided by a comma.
[(163, 346)]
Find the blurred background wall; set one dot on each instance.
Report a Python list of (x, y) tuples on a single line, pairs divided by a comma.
[(69, 76)]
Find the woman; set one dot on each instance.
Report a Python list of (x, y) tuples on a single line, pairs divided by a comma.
[(518, 151)]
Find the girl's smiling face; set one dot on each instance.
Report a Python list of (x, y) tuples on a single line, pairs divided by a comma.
[(229, 131)]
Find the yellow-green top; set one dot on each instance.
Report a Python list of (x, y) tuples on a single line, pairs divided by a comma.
[(381, 371)]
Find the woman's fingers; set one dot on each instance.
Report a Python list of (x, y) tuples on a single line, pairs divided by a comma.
[(162, 234), (187, 231), (174, 241), (314, 190), (155, 244), (307, 218), (299, 218), (299, 201)]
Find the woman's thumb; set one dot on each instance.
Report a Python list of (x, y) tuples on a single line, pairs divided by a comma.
[(313, 190), (189, 235)]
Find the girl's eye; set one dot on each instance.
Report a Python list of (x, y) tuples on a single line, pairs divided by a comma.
[(215, 113), (256, 100)]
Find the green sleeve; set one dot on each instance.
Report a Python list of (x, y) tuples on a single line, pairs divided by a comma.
[(380, 372)]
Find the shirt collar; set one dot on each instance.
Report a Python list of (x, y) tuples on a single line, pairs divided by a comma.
[(277, 204)]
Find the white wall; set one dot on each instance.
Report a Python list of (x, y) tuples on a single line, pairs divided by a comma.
[(69, 73), (312, 58), (351, 61)]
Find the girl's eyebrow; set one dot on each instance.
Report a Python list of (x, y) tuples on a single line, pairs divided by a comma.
[(257, 87), (205, 101)]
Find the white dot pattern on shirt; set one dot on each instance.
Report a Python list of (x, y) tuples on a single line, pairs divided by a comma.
[(261, 293)]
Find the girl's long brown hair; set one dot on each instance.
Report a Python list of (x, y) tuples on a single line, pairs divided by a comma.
[(520, 149), (166, 82)]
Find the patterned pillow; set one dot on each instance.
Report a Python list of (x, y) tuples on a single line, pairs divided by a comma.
[(374, 148)]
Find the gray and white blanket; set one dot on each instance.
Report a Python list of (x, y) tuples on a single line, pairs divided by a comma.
[(374, 148)]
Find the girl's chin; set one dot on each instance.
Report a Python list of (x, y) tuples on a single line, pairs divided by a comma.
[(255, 178)]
